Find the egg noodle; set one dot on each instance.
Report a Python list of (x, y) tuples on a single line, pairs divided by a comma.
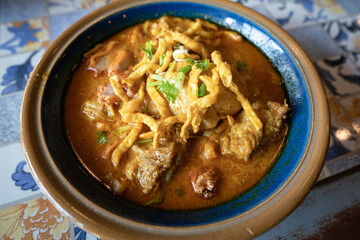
[(166, 53)]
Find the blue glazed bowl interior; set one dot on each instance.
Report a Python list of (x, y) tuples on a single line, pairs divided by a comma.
[(66, 160)]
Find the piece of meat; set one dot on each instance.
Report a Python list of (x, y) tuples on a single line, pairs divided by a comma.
[(210, 119), (94, 110), (122, 61), (210, 150), (242, 138), (106, 94), (226, 104), (149, 165), (205, 181), (273, 117), (104, 54)]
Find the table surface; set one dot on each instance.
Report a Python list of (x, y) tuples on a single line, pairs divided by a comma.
[(328, 30)]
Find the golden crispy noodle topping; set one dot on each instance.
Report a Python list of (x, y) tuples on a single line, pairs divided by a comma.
[(173, 89), (226, 78)]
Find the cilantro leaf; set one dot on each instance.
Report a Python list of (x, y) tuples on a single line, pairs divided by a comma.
[(241, 66), (203, 65), (171, 92), (201, 91), (179, 46), (148, 49), (199, 64), (102, 136), (191, 61), (158, 199)]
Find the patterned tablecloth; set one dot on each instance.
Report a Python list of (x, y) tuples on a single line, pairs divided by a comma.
[(328, 30)]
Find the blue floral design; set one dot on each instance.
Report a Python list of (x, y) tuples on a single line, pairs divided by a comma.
[(309, 5), (24, 179), (22, 35), (80, 234), (16, 76), (327, 78), (286, 20)]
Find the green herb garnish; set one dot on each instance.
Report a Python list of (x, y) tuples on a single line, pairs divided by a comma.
[(203, 65), (170, 173), (185, 69), (179, 46), (241, 66), (156, 77), (179, 80), (161, 59), (171, 92), (122, 129), (148, 49), (102, 136), (199, 64), (201, 91), (159, 199), (191, 61), (154, 84)]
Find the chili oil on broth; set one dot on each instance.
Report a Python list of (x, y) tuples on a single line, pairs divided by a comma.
[(237, 175)]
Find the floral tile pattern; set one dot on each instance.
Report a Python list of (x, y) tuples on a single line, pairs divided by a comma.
[(340, 74), (350, 6), (355, 57), (81, 234), (10, 118), (18, 10), (15, 70), (324, 10), (16, 181), (346, 32), (290, 14), (60, 23), (35, 219), (24, 36), (328, 30), (316, 43)]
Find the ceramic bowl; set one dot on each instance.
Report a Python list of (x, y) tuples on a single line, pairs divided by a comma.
[(88, 204)]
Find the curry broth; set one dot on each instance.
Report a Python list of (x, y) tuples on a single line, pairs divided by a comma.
[(237, 175)]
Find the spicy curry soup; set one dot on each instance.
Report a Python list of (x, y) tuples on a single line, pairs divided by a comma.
[(237, 175)]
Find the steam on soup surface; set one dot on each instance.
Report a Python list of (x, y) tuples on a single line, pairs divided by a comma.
[(176, 113)]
